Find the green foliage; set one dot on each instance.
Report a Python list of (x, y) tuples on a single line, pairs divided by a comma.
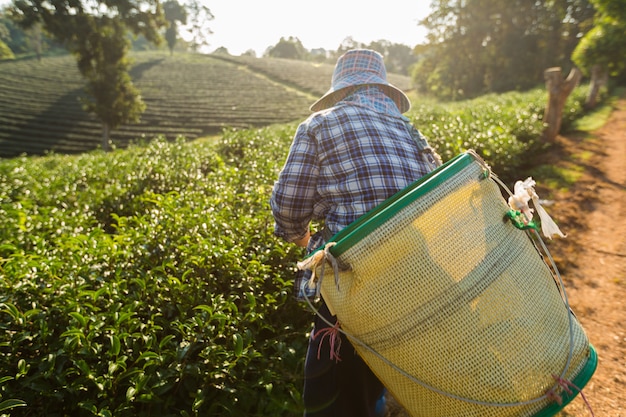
[(148, 282), (481, 46), (614, 8), (603, 45), (5, 51), (505, 129)]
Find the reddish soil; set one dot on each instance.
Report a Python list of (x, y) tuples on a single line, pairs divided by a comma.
[(592, 258)]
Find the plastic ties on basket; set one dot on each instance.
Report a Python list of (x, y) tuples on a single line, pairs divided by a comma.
[(333, 338), (565, 385), (317, 259), (520, 221), (524, 192)]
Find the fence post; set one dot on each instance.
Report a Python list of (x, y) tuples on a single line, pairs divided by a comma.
[(558, 91)]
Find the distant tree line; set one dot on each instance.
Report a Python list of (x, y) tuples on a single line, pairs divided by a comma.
[(15, 40), (479, 46), (398, 57)]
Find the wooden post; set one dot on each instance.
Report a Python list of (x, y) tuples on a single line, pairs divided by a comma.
[(599, 79), (106, 146), (558, 91)]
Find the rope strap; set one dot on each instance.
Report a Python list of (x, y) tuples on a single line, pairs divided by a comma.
[(320, 258)]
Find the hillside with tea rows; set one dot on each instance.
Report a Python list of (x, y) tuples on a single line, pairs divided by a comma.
[(186, 95), (308, 76)]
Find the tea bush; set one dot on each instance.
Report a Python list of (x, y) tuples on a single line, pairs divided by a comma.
[(148, 281), (504, 129)]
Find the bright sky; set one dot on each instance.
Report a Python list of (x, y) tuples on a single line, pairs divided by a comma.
[(240, 25)]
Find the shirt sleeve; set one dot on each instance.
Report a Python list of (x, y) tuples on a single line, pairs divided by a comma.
[(294, 194)]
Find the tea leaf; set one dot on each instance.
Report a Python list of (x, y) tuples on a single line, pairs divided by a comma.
[(238, 344), (11, 403), (115, 345)]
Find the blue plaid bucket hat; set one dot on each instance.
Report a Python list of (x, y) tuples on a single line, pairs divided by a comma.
[(355, 68)]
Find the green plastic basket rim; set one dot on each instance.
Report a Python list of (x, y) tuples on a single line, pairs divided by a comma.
[(579, 381), (364, 225)]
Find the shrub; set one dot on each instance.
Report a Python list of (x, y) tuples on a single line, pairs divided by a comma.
[(146, 282), (505, 129)]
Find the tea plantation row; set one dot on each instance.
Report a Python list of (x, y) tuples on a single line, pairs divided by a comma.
[(147, 281), (186, 94)]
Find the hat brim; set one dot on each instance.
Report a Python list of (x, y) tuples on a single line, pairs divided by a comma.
[(332, 97)]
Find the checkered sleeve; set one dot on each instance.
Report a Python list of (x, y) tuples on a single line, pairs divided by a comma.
[(294, 193)]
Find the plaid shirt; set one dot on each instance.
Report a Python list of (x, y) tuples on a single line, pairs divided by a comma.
[(343, 162)]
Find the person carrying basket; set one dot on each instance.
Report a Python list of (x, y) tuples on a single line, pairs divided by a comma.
[(356, 150)]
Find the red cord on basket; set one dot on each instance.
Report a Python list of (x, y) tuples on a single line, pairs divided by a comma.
[(565, 384), (333, 337)]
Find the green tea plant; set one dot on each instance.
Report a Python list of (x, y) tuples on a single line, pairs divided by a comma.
[(148, 282)]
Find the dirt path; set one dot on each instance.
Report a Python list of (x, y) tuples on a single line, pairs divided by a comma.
[(595, 257)]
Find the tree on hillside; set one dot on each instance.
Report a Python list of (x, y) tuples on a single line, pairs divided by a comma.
[(198, 18), (95, 33), (290, 48), (601, 52), (115, 100), (175, 13), (479, 46), (23, 41)]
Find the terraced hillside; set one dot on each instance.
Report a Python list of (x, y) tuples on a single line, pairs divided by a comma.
[(308, 76), (187, 94)]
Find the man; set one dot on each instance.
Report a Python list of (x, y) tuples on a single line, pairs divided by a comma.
[(355, 151)]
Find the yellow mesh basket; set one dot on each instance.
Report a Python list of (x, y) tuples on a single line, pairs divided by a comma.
[(452, 306)]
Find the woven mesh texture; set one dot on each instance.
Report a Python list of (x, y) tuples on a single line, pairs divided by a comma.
[(459, 300)]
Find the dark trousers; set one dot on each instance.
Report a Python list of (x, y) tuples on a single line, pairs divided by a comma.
[(343, 388)]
